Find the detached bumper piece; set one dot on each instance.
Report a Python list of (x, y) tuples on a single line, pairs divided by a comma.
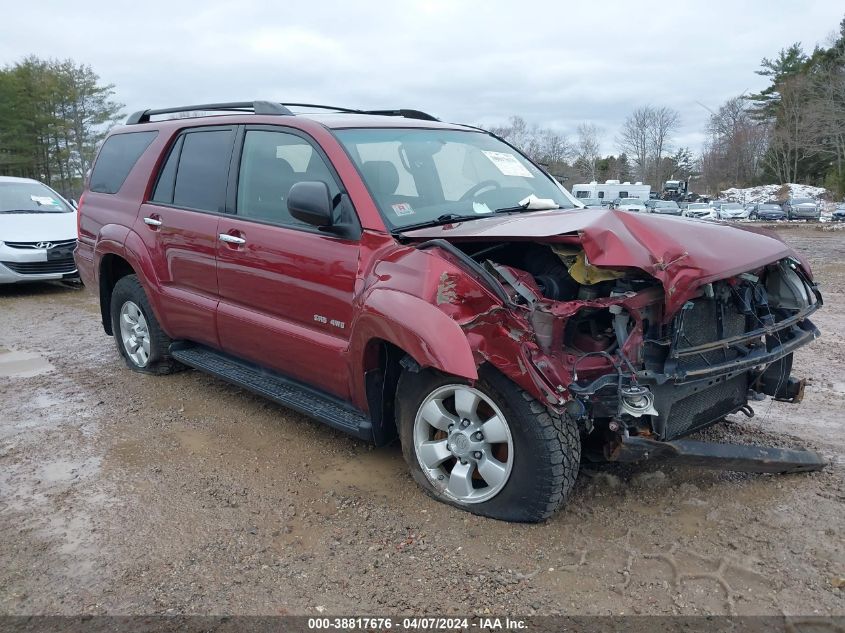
[(735, 457)]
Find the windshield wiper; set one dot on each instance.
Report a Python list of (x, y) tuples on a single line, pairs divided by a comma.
[(531, 203), (29, 211), (441, 219)]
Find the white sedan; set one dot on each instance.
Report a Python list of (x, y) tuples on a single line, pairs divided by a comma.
[(631, 204), (37, 232), (699, 210), (733, 211)]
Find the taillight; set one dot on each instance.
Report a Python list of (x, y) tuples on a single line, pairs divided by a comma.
[(79, 216)]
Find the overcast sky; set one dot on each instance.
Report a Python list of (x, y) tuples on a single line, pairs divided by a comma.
[(554, 63)]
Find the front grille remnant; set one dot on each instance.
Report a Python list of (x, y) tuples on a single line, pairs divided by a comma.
[(702, 324), (705, 407)]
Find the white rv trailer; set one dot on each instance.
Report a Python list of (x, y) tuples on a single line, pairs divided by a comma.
[(611, 190)]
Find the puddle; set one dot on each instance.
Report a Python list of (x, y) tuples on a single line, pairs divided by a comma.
[(22, 364)]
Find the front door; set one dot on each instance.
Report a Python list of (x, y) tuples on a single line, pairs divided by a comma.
[(285, 288)]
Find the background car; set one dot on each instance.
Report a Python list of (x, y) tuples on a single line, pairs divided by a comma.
[(630, 204), (768, 211), (37, 232), (839, 213), (732, 211), (591, 203), (665, 207), (802, 209), (700, 211)]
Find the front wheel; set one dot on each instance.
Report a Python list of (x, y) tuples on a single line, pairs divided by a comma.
[(488, 448)]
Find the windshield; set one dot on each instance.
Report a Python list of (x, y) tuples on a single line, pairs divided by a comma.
[(803, 201), (770, 206), (732, 205), (630, 201), (422, 175), (698, 205), (30, 197), (662, 205)]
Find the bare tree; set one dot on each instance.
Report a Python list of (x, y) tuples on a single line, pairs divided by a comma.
[(646, 137), (587, 150), (542, 145), (664, 124), (737, 143), (635, 139), (797, 131), (555, 148), (830, 89)]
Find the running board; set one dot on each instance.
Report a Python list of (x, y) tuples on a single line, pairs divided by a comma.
[(736, 457), (285, 391)]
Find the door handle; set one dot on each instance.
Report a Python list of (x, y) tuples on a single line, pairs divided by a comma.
[(152, 222), (231, 239)]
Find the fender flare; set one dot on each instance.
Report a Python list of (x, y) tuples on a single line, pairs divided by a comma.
[(428, 335), (132, 249)]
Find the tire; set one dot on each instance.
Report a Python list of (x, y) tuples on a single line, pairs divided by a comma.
[(539, 449), (148, 351)]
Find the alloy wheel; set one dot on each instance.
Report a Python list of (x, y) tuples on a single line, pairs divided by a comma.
[(463, 443), (135, 333)]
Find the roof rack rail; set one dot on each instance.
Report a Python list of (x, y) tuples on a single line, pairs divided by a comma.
[(318, 106), (256, 107), (408, 114), (403, 112)]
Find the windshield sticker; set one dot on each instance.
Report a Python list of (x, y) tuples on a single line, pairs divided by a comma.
[(402, 208), (44, 200), (480, 207), (508, 164)]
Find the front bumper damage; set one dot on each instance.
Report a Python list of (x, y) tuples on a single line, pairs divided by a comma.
[(667, 375), (746, 459)]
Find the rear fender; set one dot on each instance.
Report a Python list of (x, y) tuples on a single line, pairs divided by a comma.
[(134, 251)]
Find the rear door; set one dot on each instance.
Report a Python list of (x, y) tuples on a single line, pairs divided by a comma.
[(285, 288), (179, 226)]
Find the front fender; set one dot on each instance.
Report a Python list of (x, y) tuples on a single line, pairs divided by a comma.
[(432, 338)]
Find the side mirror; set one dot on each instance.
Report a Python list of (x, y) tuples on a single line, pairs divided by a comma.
[(311, 202)]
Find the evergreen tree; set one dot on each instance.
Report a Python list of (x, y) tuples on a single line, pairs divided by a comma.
[(52, 116)]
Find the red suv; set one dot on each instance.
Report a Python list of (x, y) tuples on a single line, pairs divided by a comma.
[(396, 276)]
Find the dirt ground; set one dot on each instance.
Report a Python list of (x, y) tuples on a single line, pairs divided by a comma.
[(129, 494)]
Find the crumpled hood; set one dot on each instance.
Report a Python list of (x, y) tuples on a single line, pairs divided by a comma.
[(681, 253), (37, 227)]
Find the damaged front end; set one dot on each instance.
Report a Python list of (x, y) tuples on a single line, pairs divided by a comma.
[(622, 352)]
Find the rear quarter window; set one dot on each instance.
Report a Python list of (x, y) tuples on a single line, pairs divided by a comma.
[(116, 159)]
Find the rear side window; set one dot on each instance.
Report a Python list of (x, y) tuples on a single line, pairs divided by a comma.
[(167, 178), (195, 173), (116, 159)]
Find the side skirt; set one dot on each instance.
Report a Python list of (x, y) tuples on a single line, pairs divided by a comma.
[(285, 391)]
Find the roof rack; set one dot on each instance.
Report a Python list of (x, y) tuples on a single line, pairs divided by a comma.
[(256, 107), (408, 114), (270, 107), (403, 112)]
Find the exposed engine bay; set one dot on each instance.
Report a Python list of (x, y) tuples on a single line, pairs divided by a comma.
[(619, 363)]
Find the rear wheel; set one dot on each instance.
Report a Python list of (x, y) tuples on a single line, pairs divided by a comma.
[(488, 448), (139, 337)]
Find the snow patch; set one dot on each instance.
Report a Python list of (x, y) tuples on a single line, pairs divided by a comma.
[(769, 193)]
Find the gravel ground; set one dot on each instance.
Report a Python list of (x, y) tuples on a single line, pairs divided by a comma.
[(129, 494)]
